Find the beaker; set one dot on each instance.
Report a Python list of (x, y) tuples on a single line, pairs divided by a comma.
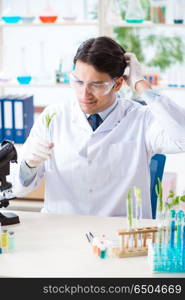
[(48, 15), (24, 77), (134, 12), (28, 16), (178, 11), (9, 16)]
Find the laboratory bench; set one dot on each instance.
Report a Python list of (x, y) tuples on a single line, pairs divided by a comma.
[(55, 245)]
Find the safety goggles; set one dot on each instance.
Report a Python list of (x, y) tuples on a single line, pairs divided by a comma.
[(95, 87)]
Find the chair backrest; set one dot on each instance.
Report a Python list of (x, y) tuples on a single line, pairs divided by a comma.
[(156, 170)]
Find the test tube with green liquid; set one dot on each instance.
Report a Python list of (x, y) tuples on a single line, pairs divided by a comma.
[(138, 212), (130, 218), (4, 240)]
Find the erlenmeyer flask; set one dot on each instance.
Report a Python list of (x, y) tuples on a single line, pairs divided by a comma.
[(28, 16), (178, 12), (48, 15), (9, 16), (24, 77), (134, 12)]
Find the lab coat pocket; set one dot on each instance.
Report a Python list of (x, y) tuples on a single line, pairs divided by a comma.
[(121, 158)]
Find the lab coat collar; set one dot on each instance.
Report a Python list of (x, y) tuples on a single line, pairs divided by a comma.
[(112, 120)]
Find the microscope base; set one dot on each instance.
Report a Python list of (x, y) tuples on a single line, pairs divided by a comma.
[(9, 218)]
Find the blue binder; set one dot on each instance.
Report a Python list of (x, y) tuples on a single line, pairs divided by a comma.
[(8, 118), (1, 119), (23, 109)]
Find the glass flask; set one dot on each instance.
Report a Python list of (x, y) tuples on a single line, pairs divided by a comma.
[(134, 12), (48, 15), (178, 11), (9, 16), (24, 77)]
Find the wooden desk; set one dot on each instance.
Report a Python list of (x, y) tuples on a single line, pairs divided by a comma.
[(51, 245)]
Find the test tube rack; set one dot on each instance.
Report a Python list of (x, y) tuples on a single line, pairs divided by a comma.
[(166, 258), (139, 238)]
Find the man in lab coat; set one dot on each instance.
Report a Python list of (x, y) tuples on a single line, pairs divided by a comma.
[(93, 148)]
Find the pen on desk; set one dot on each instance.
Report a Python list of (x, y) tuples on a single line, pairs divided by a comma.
[(90, 233), (88, 238)]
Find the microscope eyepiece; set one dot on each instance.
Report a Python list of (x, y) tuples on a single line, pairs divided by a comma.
[(8, 153)]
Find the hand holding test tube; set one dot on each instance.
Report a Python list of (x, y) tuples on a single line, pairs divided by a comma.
[(48, 119)]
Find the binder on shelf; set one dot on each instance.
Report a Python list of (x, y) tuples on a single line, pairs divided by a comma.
[(23, 109), (1, 119), (8, 118)]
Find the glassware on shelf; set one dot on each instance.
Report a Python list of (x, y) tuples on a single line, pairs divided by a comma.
[(69, 11), (28, 17), (158, 11), (9, 17), (48, 14), (58, 73), (134, 12), (24, 77), (113, 14), (63, 71), (178, 11), (90, 9)]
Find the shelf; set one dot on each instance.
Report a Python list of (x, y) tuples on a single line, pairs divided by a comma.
[(62, 23), (59, 85), (144, 24), (44, 85)]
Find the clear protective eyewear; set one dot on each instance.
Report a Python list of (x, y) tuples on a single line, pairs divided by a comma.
[(95, 87)]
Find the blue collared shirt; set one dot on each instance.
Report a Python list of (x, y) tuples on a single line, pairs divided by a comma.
[(104, 114)]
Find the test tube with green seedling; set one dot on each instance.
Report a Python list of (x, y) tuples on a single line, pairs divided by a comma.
[(130, 218), (138, 212), (129, 211), (159, 215), (159, 193), (138, 206), (48, 119)]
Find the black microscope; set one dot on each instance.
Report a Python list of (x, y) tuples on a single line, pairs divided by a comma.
[(8, 154)]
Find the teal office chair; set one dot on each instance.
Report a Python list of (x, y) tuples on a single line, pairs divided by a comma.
[(156, 170)]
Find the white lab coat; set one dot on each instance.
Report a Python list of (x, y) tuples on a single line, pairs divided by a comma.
[(90, 172)]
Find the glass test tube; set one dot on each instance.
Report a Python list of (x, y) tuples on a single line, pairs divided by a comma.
[(129, 220), (11, 241), (4, 240), (138, 216), (180, 215), (172, 227)]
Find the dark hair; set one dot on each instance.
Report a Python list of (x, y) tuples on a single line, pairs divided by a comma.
[(104, 54)]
